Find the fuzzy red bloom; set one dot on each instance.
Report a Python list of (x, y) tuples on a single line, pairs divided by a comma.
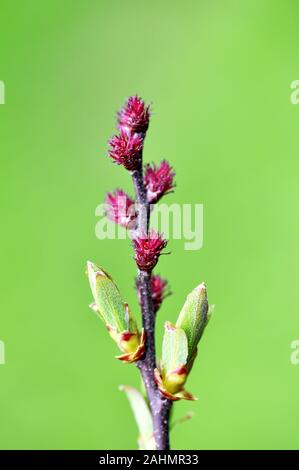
[(134, 116), (158, 180), (126, 150), (148, 249), (120, 208)]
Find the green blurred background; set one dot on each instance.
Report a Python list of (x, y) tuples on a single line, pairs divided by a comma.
[(218, 74)]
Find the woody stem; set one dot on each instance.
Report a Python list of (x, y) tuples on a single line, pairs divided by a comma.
[(160, 407)]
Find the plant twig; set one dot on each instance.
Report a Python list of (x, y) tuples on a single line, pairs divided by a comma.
[(165, 383), (160, 407)]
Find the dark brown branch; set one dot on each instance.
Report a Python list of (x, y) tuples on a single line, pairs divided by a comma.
[(160, 407)]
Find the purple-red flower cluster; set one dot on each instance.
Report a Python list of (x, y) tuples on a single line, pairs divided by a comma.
[(158, 180), (126, 149), (120, 208), (133, 120), (134, 116), (148, 249)]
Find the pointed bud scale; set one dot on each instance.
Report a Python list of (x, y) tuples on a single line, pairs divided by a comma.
[(158, 181), (193, 318), (148, 249), (173, 374), (134, 116), (133, 346), (116, 315), (120, 208), (126, 150)]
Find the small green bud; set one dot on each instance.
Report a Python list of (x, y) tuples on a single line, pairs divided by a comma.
[(194, 318), (173, 374), (116, 314), (180, 345), (108, 302)]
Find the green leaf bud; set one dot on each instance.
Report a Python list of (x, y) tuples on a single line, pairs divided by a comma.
[(116, 314)]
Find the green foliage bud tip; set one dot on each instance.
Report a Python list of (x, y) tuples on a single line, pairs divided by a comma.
[(116, 314), (194, 317), (108, 302)]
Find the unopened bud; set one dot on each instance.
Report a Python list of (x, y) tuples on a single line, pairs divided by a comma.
[(134, 116), (194, 317), (116, 314), (158, 181), (148, 249), (173, 374)]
